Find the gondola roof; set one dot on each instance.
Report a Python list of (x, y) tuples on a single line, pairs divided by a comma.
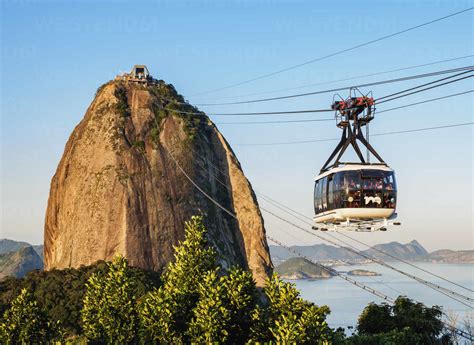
[(353, 167)]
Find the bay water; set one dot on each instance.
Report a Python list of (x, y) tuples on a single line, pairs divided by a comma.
[(347, 301)]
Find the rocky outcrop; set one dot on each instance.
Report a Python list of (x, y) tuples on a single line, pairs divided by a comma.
[(119, 188)]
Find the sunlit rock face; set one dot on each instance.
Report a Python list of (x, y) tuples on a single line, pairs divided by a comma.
[(117, 189)]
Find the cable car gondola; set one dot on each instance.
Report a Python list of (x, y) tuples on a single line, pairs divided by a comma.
[(359, 196)]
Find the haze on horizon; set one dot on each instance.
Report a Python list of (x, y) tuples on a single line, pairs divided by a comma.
[(55, 55)]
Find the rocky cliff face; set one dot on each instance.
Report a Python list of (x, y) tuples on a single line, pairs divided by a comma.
[(118, 190)]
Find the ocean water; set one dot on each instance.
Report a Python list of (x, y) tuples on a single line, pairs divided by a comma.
[(347, 301)]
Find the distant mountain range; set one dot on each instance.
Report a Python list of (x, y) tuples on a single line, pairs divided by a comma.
[(18, 258), (412, 251)]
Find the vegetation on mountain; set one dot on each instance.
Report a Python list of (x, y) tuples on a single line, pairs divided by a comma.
[(124, 157), (301, 268)]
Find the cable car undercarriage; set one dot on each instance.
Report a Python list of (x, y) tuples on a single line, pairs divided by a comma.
[(356, 196)]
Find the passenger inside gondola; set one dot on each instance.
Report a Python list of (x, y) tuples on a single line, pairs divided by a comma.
[(355, 189)]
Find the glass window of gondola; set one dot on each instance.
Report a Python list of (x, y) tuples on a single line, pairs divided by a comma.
[(372, 186), (390, 190), (338, 190), (330, 182), (324, 189), (352, 186)]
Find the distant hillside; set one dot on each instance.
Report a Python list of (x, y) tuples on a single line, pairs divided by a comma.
[(409, 251), (451, 256), (412, 251), (317, 252), (300, 268), (18, 263), (7, 246)]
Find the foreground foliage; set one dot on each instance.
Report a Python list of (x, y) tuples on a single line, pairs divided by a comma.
[(25, 323), (109, 313), (60, 293), (195, 301)]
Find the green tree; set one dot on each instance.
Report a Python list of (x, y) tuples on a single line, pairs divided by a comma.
[(60, 293), (223, 313), (404, 322), (26, 323), (211, 320), (109, 313), (288, 318), (166, 312)]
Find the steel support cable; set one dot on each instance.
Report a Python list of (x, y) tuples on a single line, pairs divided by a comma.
[(404, 93), (454, 329), (332, 119), (255, 113), (356, 283), (458, 331), (310, 111), (433, 286), (406, 262), (284, 208), (427, 101), (426, 84), (388, 81), (306, 218), (336, 53), (470, 69), (346, 79), (372, 135)]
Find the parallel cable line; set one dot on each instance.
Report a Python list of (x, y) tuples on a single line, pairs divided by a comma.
[(346, 79), (373, 135), (449, 293), (458, 331), (332, 119), (305, 219), (426, 101), (404, 93), (337, 53), (435, 287), (464, 70), (328, 269), (382, 82), (254, 113)]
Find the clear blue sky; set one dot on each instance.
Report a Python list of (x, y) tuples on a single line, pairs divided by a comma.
[(56, 53)]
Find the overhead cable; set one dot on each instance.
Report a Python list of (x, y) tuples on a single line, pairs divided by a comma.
[(388, 81), (337, 52), (346, 79), (332, 119), (373, 135)]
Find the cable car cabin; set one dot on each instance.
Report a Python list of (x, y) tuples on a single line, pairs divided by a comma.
[(355, 193)]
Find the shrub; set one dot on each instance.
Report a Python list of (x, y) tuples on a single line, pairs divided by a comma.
[(109, 314), (26, 323)]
